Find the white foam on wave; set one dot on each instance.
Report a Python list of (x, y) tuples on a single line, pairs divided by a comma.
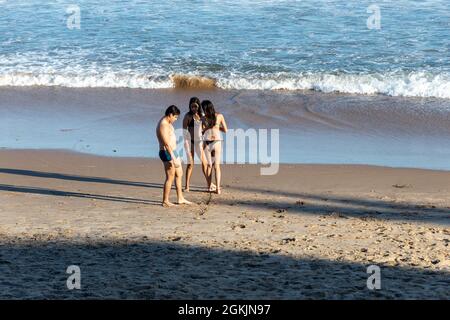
[(414, 84), (104, 80)]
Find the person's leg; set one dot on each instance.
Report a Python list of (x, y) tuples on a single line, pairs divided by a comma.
[(217, 160), (201, 153), (208, 157), (170, 175), (190, 165), (178, 184)]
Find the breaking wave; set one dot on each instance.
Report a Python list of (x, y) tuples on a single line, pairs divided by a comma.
[(413, 84)]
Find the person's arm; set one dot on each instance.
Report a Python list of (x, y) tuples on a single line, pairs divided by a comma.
[(186, 134), (203, 119), (186, 121), (223, 126)]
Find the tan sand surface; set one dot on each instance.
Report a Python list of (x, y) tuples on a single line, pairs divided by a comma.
[(310, 231)]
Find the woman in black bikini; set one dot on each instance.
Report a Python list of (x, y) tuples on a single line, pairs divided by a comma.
[(193, 140), (214, 126)]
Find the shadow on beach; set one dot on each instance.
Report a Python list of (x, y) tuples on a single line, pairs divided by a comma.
[(343, 207), (301, 202), (167, 270), (70, 177), (59, 193)]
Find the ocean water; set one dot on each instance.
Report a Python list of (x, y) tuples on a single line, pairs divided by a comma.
[(326, 46)]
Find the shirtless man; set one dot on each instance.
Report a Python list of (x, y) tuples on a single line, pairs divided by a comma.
[(172, 163)]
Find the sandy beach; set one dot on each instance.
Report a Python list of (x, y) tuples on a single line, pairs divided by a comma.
[(308, 232)]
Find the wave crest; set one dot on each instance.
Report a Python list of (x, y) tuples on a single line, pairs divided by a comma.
[(72, 80), (413, 84), (193, 82)]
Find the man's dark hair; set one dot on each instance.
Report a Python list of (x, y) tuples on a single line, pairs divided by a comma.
[(172, 110)]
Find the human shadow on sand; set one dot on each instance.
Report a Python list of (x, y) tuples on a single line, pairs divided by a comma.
[(58, 193), (70, 177), (301, 202), (342, 206)]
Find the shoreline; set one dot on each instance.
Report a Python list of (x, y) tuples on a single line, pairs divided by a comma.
[(214, 89), (156, 159)]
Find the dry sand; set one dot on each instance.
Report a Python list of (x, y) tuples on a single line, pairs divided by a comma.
[(310, 231)]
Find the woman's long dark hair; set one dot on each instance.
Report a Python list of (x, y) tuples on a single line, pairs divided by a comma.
[(210, 113), (192, 101)]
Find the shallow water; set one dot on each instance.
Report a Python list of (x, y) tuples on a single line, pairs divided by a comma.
[(313, 127)]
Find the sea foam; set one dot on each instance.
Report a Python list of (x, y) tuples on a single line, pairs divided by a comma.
[(414, 84)]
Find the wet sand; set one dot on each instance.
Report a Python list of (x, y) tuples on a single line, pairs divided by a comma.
[(310, 231), (314, 127)]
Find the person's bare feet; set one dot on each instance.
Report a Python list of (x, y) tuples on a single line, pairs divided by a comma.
[(186, 190), (184, 201), (167, 204), (219, 190)]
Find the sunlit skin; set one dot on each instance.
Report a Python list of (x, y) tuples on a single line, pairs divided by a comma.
[(213, 153), (173, 169), (197, 146)]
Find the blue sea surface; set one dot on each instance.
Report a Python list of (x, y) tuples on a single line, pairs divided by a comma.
[(264, 44)]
